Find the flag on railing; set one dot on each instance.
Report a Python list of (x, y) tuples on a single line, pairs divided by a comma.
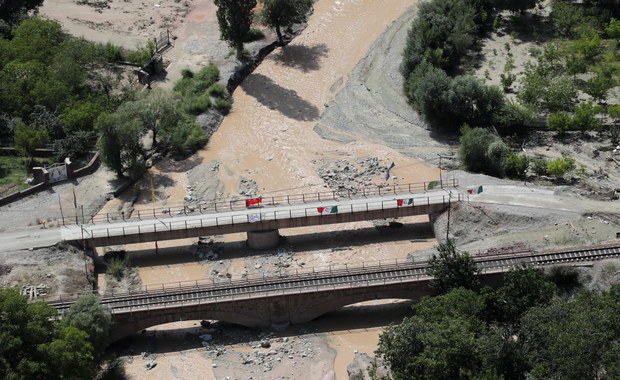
[(387, 175), (327, 210), (404, 202), (475, 190), (250, 202), (253, 218)]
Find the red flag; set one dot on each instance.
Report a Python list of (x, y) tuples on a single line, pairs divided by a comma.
[(250, 202), (320, 209), (399, 202)]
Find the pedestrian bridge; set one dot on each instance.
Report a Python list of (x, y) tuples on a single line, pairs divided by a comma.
[(262, 221)]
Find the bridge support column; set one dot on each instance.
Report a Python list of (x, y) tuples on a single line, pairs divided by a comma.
[(263, 239)]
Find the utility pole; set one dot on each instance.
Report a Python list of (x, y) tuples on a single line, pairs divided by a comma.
[(449, 207), (440, 178)]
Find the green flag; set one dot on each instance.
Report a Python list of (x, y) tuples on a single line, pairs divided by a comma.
[(480, 190)]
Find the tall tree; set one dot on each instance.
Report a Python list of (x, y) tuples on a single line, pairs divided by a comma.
[(34, 345), (279, 14), (235, 18), (452, 269), (90, 316)]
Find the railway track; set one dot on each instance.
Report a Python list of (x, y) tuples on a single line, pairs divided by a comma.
[(310, 282)]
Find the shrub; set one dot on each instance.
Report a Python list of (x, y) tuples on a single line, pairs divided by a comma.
[(117, 266), (516, 165), (187, 74), (209, 74), (559, 122), (613, 28), (560, 95), (186, 138), (217, 90), (223, 105), (143, 54), (254, 34), (539, 166), (513, 118), (560, 166), (195, 105), (496, 156), (585, 117)]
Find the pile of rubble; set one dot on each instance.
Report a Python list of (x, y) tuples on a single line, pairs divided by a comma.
[(342, 175)]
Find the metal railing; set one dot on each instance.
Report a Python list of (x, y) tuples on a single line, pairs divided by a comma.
[(257, 215), (235, 204)]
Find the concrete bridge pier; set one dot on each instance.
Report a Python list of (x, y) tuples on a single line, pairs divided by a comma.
[(266, 239)]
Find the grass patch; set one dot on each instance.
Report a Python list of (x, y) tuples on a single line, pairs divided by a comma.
[(14, 172), (432, 184)]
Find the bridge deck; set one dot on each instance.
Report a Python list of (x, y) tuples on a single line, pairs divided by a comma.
[(332, 280), (261, 218)]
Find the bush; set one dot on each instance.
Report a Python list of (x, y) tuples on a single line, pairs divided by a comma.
[(516, 165), (216, 90), (195, 105), (539, 166), (475, 150), (585, 117), (223, 105), (142, 55), (559, 167), (496, 156), (254, 34), (186, 138), (117, 266), (613, 28), (513, 118), (560, 95), (187, 74), (559, 122), (209, 74)]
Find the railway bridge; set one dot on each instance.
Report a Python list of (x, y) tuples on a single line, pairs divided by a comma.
[(261, 218), (300, 297)]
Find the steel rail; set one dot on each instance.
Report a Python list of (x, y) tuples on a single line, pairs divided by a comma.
[(315, 281)]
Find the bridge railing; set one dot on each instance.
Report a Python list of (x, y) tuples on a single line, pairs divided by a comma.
[(234, 204), (257, 215)]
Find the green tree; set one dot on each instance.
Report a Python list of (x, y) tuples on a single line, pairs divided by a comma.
[(81, 116), (613, 28), (235, 18), (278, 14), (28, 138), (516, 165), (12, 11), (34, 346), (482, 151), (451, 269), (517, 5), (574, 338), (598, 86), (560, 95), (523, 288), (89, 315), (585, 117), (439, 341), (559, 122), (614, 129), (120, 144), (36, 39), (589, 45), (157, 111)]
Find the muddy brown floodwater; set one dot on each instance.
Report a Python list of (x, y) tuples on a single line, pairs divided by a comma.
[(269, 138)]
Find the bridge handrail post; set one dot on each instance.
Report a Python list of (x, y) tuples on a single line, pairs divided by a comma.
[(334, 194), (409, 187), (428, 201), (364, 192), (303, 198), (381, 205), (318, 196), (215, 206)]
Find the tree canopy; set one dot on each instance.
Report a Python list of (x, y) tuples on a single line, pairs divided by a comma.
[(279, 14), (235, 18), (33, 345), (451, 269)]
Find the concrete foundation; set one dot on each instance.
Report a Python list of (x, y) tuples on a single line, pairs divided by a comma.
[(263, 239)]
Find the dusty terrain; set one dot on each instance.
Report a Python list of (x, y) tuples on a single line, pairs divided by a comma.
[(331, 99)]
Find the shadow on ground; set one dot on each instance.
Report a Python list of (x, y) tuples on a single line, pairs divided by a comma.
[(304, 58), (278, 98)]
